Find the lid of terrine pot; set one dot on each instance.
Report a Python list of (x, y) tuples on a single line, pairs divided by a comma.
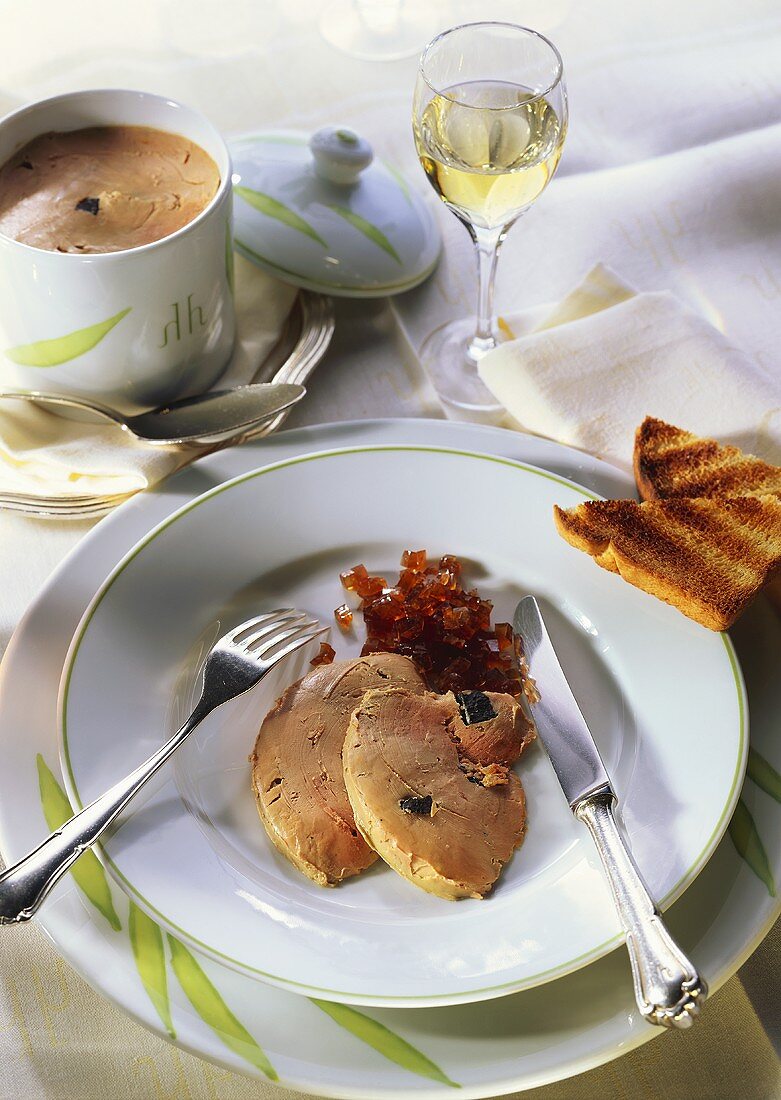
[(322, 212)]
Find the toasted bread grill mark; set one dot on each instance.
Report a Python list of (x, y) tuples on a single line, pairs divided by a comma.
[(733, 534), (650, 549), (709, 558), (669, 462), (706, 539)]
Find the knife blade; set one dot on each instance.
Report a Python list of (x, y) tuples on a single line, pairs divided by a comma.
[(559, 720), (668, 988)]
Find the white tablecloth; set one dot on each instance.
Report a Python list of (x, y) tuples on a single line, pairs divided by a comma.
[(670, 175)]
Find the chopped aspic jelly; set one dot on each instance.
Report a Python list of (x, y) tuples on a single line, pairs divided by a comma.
[(325, 656), (448, 561), (414, 560), (427, 616), (351, 577), (370, 586), (343, 616)]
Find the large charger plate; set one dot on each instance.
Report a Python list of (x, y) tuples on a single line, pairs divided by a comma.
[(663, 695), (517, 1042)]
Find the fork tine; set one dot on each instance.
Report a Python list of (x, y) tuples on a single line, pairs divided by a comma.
[(65, 501), (71, 512), (259, 647), (292, 645), (245, 640), (244, 628), (62, 498), (19, 498)]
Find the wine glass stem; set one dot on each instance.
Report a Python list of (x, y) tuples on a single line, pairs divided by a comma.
[(487, 245)]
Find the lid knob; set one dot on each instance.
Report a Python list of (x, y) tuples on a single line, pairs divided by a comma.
[(340, 154)]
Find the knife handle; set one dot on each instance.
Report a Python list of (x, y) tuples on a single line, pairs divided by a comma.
[(668, 989)]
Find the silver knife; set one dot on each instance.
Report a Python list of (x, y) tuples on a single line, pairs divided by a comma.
[(668, 989)]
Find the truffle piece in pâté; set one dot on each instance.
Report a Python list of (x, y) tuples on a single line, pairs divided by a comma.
[(436, 798)]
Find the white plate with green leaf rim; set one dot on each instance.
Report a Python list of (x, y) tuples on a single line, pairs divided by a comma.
[(518, 1042), (664, 697)]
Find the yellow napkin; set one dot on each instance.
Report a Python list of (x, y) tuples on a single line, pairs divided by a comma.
[(46, 454), (608, 356)]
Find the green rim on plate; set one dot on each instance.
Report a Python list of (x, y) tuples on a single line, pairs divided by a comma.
[(546, 975)]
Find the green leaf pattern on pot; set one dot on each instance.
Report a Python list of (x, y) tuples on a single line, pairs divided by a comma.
[(61, 349), (212, 1009), (744, 835), (399, 178), (273, 208), (324, 286), (264, 259), (368, 229), (764, 774), (384, 1041), (87, 871), (146, 940)]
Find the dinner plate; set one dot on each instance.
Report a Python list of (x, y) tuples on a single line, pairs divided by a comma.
[(517, 1042), (663, 696)]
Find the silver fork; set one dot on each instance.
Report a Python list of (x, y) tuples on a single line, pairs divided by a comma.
[(237, 662), (51, 508)]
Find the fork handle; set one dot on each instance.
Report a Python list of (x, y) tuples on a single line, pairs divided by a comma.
[(668, 989), (24, 886)]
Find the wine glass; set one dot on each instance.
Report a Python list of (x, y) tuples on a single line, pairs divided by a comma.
[(489, 117)]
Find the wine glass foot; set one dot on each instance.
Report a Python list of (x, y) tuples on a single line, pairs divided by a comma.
[(453, 373), (377, 30)]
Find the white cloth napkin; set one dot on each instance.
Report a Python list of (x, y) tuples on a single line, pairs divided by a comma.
[(43, 453), (608, 356)]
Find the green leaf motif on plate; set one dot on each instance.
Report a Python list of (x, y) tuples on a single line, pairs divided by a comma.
[(745, 837), (212, 1009), (87, 872), (384, 1041), (764, 774), (368, 229), (273, 208), (50, 353), (146, 939)]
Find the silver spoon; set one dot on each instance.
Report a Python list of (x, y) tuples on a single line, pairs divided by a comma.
[(206, 417)]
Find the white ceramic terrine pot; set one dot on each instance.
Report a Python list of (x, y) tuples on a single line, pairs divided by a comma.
[(133, 329)]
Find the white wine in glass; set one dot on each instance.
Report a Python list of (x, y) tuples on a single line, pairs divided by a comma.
[(490, 117)]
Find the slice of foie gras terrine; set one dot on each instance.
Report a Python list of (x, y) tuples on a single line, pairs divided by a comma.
[(430, 782), (297, 771)]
